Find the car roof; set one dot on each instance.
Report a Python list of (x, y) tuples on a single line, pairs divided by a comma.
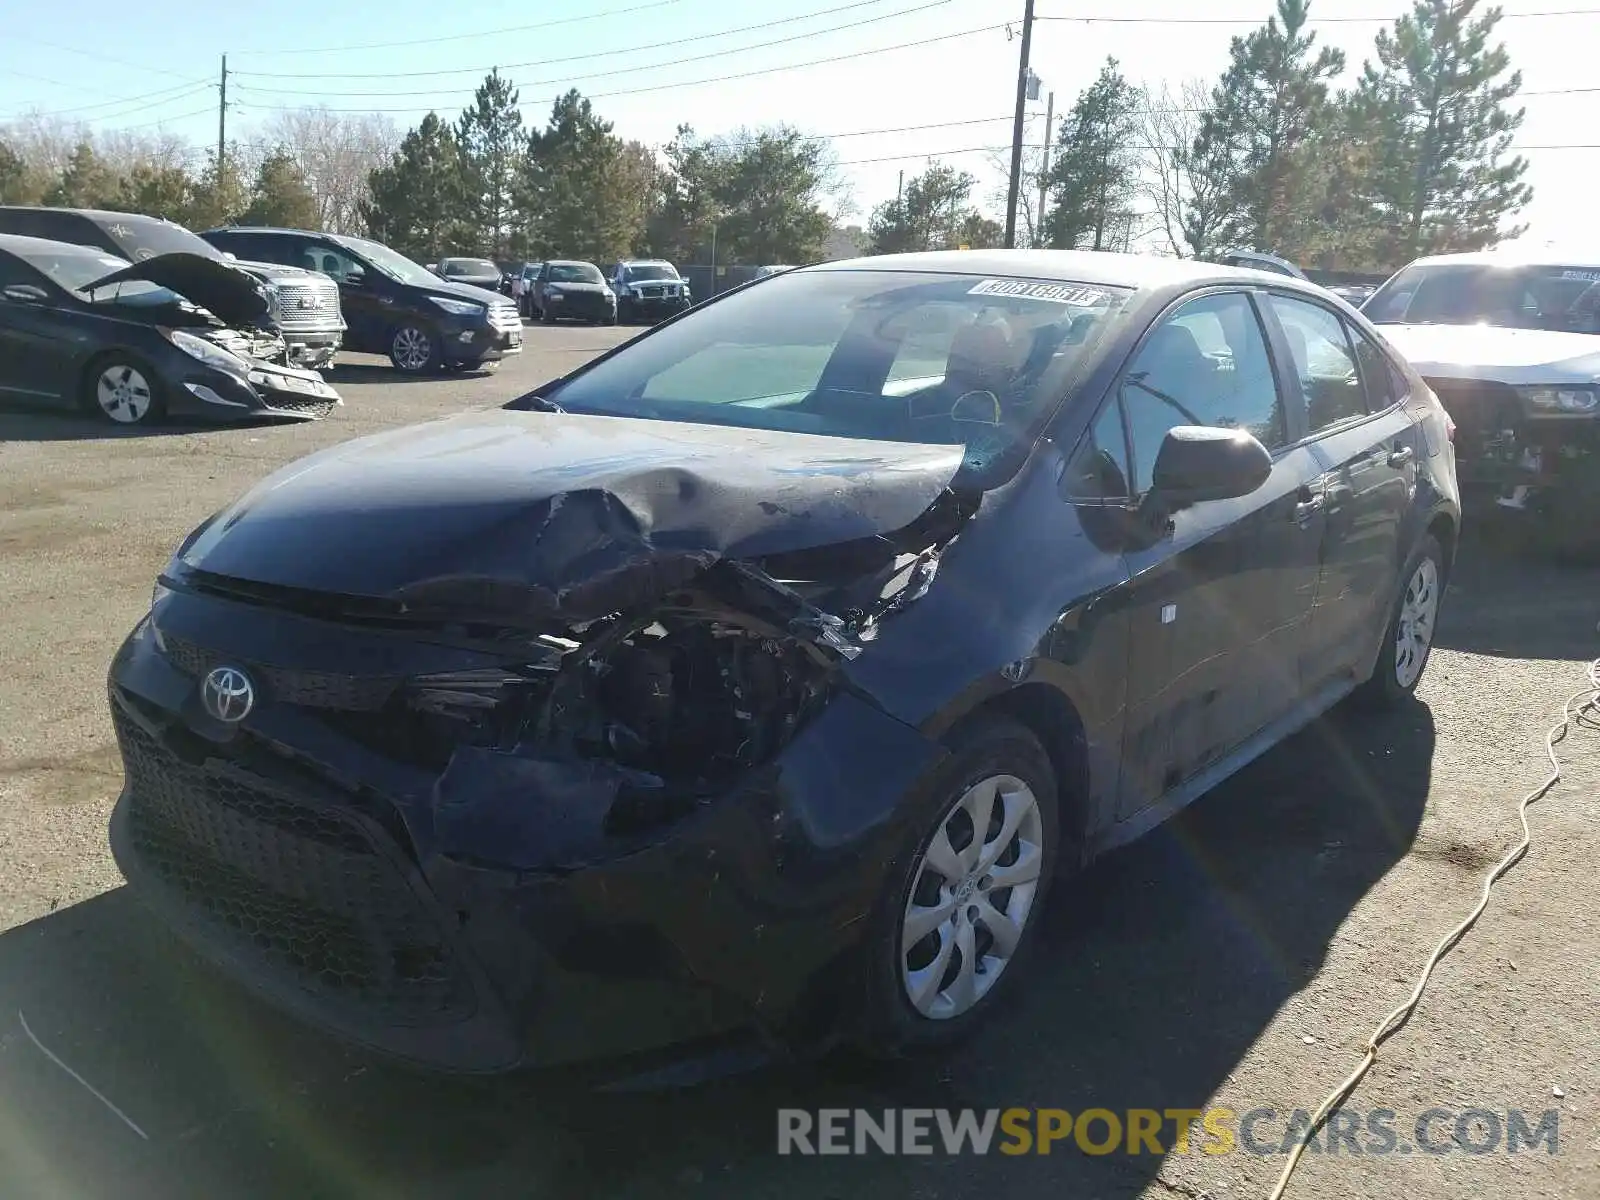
[(1140, 271), (18, 244), (99, 216), (567, 262), (1518, 254), (645, 262), (267, 229)]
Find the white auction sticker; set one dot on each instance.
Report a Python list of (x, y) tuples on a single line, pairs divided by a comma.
[(1591, 276), (1054, 293)]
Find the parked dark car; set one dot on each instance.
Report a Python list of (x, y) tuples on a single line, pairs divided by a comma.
[(479, 272), (1257, 260), (303, 304), (393, 305), (765, 670), (576, 291), (648, 290), (175, 334)]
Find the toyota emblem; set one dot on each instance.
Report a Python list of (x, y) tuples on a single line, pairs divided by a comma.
[(228, 695)]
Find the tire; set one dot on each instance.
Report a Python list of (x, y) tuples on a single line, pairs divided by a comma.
[(895, 1024), (545, 318), (414, 349), (611, 320), (1408, 636), (122, 390)]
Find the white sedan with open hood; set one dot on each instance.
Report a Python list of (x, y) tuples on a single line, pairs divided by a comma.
[(1509, 339)]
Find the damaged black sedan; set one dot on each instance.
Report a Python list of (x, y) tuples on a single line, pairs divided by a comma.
[(753, 681), (175, 334)]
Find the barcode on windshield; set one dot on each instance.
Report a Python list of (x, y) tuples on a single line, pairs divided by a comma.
[(1053, 293)]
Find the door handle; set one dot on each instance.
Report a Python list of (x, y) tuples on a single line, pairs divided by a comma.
[(1308, 507), (1401, 456)]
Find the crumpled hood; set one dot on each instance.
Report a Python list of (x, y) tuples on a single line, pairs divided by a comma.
[(535, 516), (1514, 356), (229, 292)]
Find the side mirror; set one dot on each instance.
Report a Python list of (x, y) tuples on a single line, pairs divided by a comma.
[(1198, 463), (26, 293)]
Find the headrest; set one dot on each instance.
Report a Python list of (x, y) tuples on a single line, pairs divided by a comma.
[(982, 356)]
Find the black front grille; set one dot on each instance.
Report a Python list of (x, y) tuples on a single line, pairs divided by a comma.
[(297, 884), (308, 689), (1478, 406), (319, 406)]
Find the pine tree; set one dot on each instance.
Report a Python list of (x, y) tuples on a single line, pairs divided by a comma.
[(1267, 106), (1435, 105), (281, 195), (491, 139), (417, 199), (13, 176), (570, 187), (1095, 178), (87, 182)]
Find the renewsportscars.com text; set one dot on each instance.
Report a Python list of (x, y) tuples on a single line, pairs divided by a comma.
[(1100, 1131)]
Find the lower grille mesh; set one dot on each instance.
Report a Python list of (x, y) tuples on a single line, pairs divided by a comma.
[(300, 886)]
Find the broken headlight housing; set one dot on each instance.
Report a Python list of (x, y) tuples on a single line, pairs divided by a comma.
[(1563, 401)]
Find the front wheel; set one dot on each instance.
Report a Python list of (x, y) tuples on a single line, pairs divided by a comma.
[(414, 349), (123, 391), (1408, 641), (961, 907)]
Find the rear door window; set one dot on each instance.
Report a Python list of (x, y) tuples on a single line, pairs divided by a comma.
[(1323, 362)]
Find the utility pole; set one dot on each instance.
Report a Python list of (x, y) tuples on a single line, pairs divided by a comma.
[(1044, 170), (222, 129), (1016, 127)]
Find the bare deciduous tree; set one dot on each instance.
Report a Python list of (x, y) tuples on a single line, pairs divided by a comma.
[(337, 151), (1187, 206)]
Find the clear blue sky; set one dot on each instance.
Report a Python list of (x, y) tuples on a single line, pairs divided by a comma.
[(155, 65)]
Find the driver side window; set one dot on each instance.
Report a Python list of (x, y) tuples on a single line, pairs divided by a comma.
[(1206, 364)]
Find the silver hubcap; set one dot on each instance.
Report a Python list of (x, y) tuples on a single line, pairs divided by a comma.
[(1414, 635), (972, 897), (123, 394), (412, 349)]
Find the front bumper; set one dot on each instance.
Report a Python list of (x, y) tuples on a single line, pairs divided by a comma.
[(471, 341), (657, 308), (313, 351), (264, 390), (310, 867), (1501, 445), (580, 306)]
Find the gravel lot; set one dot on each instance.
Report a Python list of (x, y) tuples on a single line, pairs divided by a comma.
[(1237, 958)]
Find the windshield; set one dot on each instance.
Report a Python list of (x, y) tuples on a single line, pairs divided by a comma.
[(895, 356), (574, 273), (396, 266), (74, 271), (1562, 299), (649, 271), (468, 266), (144, 237)]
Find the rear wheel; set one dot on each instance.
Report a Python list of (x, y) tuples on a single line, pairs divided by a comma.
[(961, 907), (123, 391), (1408, 642)]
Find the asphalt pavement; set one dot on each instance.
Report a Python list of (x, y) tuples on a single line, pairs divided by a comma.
[(1235, 959)]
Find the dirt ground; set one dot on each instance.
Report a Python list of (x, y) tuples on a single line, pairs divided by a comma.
[(1237, 958)]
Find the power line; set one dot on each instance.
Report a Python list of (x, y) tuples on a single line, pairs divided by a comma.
[(178, 91), (1388, 20), (98, 56), (571, 58), (663, 87), (460, 37), (634, 70)]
